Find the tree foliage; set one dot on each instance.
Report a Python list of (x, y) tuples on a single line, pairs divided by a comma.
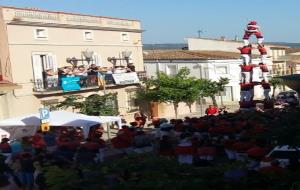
[(171, 89), (275, 82), (94, 105), (97, 105)]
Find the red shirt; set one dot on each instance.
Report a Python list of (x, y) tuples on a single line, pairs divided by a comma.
[(5, 147), (256, 152), (271, 169), (262, 50), (212, 110), (246, 68), (264, 68), (245, 50), (91, 146), (228, 144)]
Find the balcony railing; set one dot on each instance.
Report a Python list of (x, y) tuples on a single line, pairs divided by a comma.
[(54, 84)]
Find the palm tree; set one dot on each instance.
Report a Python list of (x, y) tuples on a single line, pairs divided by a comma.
[(275, 82), (221, 86)]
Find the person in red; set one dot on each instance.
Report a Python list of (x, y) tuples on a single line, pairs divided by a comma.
[(246, 71), (246, 92), (140, 118), (273, 169), (4, 146), (263, 52), (90, 145), (211, 110), (123, 140), (253, 28), (246, 53), (38, 142), (267, 89), (264, 70)]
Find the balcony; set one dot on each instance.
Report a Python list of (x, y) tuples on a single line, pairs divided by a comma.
[(54, 85)]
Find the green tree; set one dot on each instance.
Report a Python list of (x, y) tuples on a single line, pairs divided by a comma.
[(170, 89), (71, 101), (210, 89), (275, 82), (192, 92), (94, 105), (97, 105), (221, 86)]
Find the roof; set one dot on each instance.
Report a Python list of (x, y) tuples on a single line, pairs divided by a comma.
[(189, 55), (272, 45), (292, 50), (62, 12)]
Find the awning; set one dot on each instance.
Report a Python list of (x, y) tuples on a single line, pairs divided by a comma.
[(27, 125), (292, 81)]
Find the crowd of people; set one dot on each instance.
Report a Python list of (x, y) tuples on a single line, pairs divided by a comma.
[(53, 78), (218, 137), (22, 160)]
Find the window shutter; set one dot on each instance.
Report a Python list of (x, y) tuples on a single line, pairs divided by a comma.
[(37, 70), (52, 62), (96, 59)]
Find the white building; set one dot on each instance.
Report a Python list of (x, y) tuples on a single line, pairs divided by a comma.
[(203, 64), (277, 53)]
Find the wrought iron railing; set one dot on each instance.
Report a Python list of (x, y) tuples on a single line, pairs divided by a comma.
[(85, 82)]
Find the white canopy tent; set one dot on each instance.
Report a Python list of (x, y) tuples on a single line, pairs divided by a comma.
[(3, 134), (28, 125)]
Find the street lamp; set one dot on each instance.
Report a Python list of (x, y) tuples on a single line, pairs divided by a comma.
[(88, 56), (125, 56)]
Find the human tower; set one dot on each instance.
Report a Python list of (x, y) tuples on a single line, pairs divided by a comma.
[(247, 85)]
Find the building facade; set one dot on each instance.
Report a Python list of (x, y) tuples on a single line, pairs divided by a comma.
[(203, 65), (34, 41)]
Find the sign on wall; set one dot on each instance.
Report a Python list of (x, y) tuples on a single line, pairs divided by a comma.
[(126, 78), (44, 115)]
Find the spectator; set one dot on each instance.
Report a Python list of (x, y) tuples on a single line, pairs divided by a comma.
[(211, 110), (4, 146)]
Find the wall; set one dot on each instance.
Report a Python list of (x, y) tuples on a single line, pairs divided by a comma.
[(208, 69), (228, 46), (62, 42), (4, 52)]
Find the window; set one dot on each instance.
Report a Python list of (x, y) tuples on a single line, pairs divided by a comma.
[(44, 71), (88, 35), (132, 103), (124, 37), (41, 33), (171, 70), (221, 70)]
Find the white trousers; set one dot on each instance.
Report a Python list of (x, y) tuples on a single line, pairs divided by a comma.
[(246, 42), (246, 58), (260, 40), (263, 58), (246, 77), (265, 76)]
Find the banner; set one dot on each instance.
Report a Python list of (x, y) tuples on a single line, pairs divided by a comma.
[(70, 83), (126, 78)]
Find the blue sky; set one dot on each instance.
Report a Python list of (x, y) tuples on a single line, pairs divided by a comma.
[(170, 21)]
